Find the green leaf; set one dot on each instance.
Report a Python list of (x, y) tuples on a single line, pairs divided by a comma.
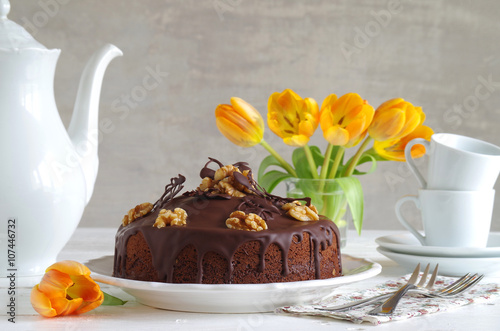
[(299, 160), (268, 161), (300, 163), (373, 153), (366, 158), (272, 178), (317, 155), (110, 300), (354, 194)]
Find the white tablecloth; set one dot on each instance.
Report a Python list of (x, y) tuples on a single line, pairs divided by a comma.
[(89, 243)]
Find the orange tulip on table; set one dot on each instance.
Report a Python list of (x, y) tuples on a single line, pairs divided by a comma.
[(66, 288)]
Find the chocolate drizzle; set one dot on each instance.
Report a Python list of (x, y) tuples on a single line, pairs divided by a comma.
[(171, 191), (206, 171), (207, 232), (258, 205)]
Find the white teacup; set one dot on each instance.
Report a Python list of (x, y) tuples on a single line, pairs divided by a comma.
[(457, 163), (451, 218)]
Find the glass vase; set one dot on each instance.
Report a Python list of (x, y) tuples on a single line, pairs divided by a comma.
[(327, 196)]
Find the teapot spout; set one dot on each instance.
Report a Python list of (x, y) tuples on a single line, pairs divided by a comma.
[(83, 128)]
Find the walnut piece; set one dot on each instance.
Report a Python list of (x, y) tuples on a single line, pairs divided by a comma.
[(224, 182), (225, 171), (173, 218), (206, 183), (238, 220), (301, 212), (229, 189), (136, 212), (290, 205)]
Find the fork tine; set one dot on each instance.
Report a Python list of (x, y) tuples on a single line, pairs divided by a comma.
[(424, 276), (467, 285), (432, 281), (450, 288), (414, 275)]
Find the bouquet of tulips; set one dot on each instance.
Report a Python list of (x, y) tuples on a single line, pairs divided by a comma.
[(346, 122)]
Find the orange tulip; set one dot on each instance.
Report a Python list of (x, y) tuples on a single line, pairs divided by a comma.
[(395, 119), (292, 118), (344, 121), (240, 122), (394, 150), (66, 288)]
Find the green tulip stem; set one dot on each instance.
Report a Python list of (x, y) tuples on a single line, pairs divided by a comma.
[(355, 159), (278, 157), (326, 161), (336, 162), (310, 160)]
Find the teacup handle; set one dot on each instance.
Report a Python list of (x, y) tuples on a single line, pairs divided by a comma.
[(411, 162), (403, 221)]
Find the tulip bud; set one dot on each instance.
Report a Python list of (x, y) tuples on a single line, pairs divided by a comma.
[(395, 119), (240, 122)]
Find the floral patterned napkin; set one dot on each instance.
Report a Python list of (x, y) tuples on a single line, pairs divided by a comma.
[(410, 306)]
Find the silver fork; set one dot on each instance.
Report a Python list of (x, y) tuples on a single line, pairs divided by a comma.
[(462, 284), (388, 306), (367, 301)]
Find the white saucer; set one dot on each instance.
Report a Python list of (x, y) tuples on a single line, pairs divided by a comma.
[(406, 243), (232, 298), (448, 266)]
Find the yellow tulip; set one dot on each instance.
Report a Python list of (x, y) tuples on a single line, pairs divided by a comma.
[(344, 120), (240, 122), (395, 119), (292, 118), (66, 288), (394, 150)]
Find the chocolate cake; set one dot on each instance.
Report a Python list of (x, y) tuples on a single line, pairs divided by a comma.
[(227, 231)]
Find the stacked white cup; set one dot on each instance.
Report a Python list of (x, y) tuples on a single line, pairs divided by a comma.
[(457, 198)]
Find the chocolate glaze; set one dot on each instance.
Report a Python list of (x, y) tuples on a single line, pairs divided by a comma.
[(207, 231), (260, 206)]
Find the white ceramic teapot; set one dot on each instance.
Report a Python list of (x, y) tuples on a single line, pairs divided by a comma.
[(47, 175)]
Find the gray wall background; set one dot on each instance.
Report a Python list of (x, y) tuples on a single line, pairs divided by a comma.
[(436, 54)]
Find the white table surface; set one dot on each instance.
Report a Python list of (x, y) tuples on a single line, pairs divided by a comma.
[(89, 243)]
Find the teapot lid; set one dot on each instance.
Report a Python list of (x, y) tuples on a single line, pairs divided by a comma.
[(12, 35)]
